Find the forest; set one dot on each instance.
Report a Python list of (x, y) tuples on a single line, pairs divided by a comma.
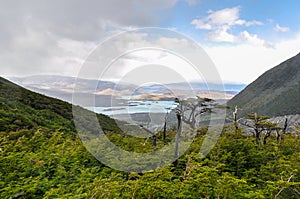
[(42, 156)]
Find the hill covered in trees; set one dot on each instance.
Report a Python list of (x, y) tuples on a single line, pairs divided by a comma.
[(275, 93), (41, 156), (23, 109)]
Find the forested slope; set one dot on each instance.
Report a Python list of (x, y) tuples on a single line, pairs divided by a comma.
[(41, 156)]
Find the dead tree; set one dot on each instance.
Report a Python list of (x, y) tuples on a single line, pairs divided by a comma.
[(285, 125), (280, 131), (152, 133), (284, 187), (235, 122), (178, 111), (187, 112), (165, 126), (192, 108)]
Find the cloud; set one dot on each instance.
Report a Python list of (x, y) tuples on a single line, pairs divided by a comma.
[(219, 23), (279, 28), (35, 35), (244, 63), (253, 39), (200, 24), (221, 35), (253, 23), (144, 55), (225, 17)]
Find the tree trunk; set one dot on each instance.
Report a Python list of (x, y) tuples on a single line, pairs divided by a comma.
[(257, 138), (177, 139), (266, 137), (278, 137), (165, 126), (154, 140), (165, 130), (235, 123)]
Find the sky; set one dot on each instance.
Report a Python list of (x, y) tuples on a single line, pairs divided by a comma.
[(243, 38)]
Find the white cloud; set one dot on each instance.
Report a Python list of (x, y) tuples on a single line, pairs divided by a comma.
[(220, 22), (199, 24), (279, 28), (253, 39), (221, 35), (225, 17), (54, 36), (244, 63), (34, 40), (253, 23)]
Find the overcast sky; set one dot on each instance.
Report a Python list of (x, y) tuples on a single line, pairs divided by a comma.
[(244, 38)]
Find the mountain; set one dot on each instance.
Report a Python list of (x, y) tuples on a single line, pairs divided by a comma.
[(24, 109), (62, 87), (106, 92), (42, 157), (275, 93)]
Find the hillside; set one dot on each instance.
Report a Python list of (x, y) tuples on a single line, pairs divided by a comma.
[(41, 156), (23, 109), (275, 93)]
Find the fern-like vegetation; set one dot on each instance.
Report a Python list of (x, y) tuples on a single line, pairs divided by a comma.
[(41, 156)]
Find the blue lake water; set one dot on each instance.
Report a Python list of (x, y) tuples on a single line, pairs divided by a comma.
[(136, 107)]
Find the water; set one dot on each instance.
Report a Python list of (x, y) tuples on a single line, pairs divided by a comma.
[(136, 107)]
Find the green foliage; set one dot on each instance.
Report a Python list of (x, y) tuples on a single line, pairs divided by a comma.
[(42, 165), (23, 109), (42, 157)]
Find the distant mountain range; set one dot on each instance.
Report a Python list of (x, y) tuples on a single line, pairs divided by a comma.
[(275, 93), (62, 87)]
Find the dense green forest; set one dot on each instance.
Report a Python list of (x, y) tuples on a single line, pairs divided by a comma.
[(41, 156)]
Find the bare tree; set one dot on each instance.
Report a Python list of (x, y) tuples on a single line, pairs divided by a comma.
[(235, 122), (187, 112), (165, 126), (282, 131), (284, 187), (192, 108), (179, 114), (151, 133)]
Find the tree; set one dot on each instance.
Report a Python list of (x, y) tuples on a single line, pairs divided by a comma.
[(235, 122), (179, 115), (192, 108), (283, 130), (151, 133), (260, 124), (256, 123), (165, 126), (188, 111), (268, 127)]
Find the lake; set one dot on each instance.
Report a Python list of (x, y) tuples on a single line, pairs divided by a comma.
[(133, 107)]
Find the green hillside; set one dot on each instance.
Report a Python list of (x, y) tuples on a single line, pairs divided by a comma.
[(41, 156), (23, 109), (275, 93)]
